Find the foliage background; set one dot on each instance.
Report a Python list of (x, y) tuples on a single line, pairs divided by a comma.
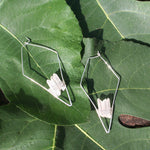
[(76, 29)]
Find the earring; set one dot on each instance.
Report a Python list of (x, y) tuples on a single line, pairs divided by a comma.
[(104, 109), (55, 84)]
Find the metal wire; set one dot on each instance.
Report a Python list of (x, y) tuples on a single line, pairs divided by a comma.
[(32, 80), (114, 98)]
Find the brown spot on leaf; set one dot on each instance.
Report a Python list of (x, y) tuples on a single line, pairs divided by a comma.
[(133, 122)]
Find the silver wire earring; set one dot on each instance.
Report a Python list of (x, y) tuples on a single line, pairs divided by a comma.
[(104, 110), (56, 85)]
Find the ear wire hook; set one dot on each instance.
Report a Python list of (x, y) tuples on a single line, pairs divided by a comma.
[(57, 85), (106, 103)]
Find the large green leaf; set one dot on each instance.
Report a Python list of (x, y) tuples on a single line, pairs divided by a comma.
[(93, 136), (77, 140), (18, 131), (50, 23), (118, 19), (131, 60)]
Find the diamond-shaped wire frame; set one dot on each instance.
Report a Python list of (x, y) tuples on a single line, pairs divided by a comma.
[(37, 83), (107, 130)]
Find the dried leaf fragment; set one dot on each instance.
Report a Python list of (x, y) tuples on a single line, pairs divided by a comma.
[(132, 121)]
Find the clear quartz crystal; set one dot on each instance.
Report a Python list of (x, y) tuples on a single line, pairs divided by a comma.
[(104, 108)]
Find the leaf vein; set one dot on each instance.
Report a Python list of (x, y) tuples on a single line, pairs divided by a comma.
[(89, 137), (54, 138), (135, 140), (120, 89), (98, 2), (128, 11)]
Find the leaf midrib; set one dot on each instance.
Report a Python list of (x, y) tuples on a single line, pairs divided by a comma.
[(88, 136), (4, 28), (107, 16), (54, 138)]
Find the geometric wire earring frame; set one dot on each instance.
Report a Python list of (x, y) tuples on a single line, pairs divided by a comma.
[(114, 97), (55, 83)]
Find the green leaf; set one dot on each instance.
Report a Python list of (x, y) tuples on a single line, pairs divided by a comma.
[(20, 131), (52, 24), (118, 19), (80, 141), (93, 135), (131, 60)]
